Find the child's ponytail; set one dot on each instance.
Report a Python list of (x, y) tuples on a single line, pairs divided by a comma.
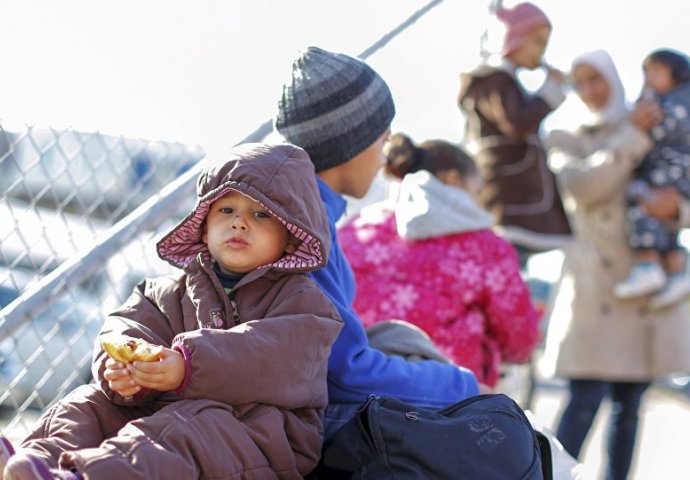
[(402, 155)]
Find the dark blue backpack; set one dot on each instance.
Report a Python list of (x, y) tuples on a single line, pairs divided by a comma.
[(486, 437)]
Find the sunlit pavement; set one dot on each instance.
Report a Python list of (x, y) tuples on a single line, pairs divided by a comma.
[(663, 447)]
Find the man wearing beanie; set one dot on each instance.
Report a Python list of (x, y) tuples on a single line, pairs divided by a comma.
[(339, 110), (501, 130)]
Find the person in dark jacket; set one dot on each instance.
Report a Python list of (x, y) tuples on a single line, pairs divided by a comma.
[(502, 132), (340, 110), (240, 389)]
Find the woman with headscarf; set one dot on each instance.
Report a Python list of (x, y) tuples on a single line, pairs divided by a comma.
[(605, 346)]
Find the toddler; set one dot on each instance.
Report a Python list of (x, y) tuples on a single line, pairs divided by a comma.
[(240, 389), (659, 259), (502, 126)]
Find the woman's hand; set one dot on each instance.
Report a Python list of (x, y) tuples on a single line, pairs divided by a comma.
[(646, 114), (557, 75), (164, 375), (663, 204)]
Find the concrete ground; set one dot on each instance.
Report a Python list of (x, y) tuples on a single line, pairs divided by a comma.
[(663, 437)]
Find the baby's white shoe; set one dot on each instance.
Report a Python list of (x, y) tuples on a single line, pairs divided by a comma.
[(644, 279)]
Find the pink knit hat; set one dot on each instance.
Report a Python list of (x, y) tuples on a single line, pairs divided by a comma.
[(520, 20)]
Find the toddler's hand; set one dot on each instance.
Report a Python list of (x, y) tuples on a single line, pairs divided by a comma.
[(164, 375), (119, 379)]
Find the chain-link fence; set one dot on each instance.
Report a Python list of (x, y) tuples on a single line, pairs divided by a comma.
[(66, 194), (81, 213)]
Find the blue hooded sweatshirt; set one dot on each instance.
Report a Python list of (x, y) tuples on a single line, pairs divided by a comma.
[(356, 370)]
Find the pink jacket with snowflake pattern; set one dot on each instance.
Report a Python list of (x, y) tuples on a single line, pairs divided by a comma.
[(431, 259)]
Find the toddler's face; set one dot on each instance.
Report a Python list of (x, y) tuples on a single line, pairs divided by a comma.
[(658, 77), (531, 51), (591, 86), (242, 235)]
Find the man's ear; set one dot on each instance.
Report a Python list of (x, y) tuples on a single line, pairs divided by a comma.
[(290, 248), (204, 232)]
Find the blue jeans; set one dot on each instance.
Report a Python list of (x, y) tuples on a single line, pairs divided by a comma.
[(576, 421)]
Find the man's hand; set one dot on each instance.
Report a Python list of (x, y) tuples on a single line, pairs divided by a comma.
[(164, 375)]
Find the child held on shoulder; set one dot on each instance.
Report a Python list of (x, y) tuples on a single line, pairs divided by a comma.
[(503, 120), (244, 336), (660, 261)]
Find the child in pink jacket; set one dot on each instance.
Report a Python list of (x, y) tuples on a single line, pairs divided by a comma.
[(429, 256)]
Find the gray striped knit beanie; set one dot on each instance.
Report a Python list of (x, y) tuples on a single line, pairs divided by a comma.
[(333, 106)]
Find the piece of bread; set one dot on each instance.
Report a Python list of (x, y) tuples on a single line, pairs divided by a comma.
[(129, 349)]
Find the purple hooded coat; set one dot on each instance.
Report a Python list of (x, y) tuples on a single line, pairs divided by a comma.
[(252, 401)]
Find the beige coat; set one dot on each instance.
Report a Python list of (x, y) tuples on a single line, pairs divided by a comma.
[(591, 334)]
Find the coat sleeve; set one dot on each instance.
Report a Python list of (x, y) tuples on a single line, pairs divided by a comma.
[(506, 106), (280, 359), (592, 178), (138, 317), (512, 319), (357, 370)]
